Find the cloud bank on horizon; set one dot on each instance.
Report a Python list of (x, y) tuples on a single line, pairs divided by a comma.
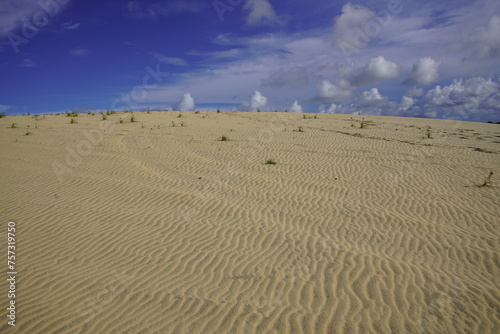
[(381, 57)]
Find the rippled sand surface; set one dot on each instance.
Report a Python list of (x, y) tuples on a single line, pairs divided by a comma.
[(147, 227)]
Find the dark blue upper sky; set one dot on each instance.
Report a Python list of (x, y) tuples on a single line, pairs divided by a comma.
[(392, 57)]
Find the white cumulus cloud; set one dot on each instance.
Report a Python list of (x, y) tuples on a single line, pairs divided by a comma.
[(258, 101), (372, 102), (468, 93), (372, 95), (185, 104), (295, 107), (378, 68), (329, 92), (424, 72), (475, 99), (406, 103), (333, 107)]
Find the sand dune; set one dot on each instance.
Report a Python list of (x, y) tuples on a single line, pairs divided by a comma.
[(147, 227)]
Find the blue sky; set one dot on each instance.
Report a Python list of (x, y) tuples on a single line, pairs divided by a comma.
[(390, 57)]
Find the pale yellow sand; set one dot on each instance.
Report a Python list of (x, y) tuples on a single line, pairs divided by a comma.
[(161, 229)]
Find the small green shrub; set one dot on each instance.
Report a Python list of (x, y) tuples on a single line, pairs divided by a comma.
[(27, 131), (13, 125), (270, 162), (2, 115), (487, 182), (73, 121), (309, 117), (363, 124), (224, 138)]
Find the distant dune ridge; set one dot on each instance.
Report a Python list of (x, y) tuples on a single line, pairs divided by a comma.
[(364, 224)]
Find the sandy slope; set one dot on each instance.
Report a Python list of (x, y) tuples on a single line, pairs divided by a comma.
[(159, 229)]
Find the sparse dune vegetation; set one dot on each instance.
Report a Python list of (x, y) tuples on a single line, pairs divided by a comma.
[(487, 181)]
